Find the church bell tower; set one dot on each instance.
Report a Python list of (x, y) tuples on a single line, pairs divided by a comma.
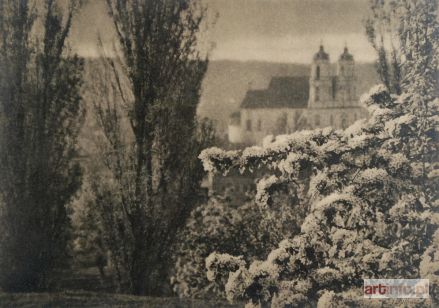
[(320, 80), (346, 92)]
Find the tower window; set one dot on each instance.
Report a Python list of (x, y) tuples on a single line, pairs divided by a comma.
[(318, 72), (249, 125), (296, 120), (317, 94), (281, 124), (331, 120), (344, 121), (259, 127), (317, 120)]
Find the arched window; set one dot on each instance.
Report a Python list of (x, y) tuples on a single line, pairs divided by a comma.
[(334, 88), (344, 121), (249, 125), (318, 72), (281, 124), (317, 94), (259, 125)]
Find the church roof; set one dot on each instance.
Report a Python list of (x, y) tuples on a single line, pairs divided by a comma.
[(283, 92)]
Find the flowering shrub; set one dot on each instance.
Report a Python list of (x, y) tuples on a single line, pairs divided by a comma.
[(430, 266), (369, 215), (370, 192), (218, 226)]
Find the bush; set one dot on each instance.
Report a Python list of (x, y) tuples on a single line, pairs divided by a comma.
[(368, 215), (244, 230)]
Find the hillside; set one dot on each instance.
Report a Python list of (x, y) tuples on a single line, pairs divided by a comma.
[(226, 83)]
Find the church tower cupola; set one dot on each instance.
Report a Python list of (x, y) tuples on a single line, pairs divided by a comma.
[(346, 56), (321, 54), (346, 91), (345, 67), (320, 79), (321, 68)]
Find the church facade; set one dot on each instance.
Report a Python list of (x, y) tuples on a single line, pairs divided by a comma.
[(325, 98)]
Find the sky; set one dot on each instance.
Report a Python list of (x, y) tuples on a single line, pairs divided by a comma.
[(266, 30)]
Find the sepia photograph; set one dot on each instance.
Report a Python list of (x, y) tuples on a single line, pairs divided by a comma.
[(219, 153)]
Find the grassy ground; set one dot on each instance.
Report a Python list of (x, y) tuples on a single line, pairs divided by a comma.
[(89, 299), (84, 287)]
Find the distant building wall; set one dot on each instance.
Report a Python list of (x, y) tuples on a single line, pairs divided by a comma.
[(235, 134), (258, 123), (338, 118)]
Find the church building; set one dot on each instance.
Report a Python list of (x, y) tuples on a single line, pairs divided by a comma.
[(289, 104)]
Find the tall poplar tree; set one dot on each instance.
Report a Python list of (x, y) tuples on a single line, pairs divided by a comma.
[(151, 139), (40, 117)]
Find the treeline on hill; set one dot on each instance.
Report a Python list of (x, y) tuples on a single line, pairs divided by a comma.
[(334, 207)]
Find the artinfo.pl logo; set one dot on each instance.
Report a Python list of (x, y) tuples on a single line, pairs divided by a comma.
[(396, 288)]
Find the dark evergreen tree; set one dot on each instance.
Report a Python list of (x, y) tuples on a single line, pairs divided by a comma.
[(40, 116)]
